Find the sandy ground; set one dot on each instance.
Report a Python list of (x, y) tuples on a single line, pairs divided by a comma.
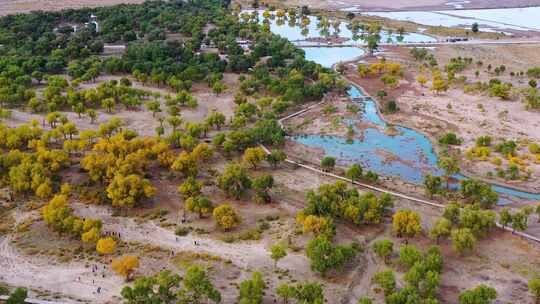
[(25, 6), (402, 5), (141, 120), (470, 115)]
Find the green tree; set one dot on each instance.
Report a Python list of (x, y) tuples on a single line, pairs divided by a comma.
[(384, 249), (198, 288), (328, 163), (354, 173), (277, 252), (450, 166), (234, 181), (252, 291), (144, 291), (441, 229), (199, 204), (463, 240), (534, 288), (275, 157), (481, 294), (18, 296), (505, 217), (262, 185), (409, 255), (325, 256), (432, 184), (386, 279), (285, 292), (364, 300)]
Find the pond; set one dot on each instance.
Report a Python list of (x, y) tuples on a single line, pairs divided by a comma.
[(523, 19), (328, 56), (294, 32), (403, 152)]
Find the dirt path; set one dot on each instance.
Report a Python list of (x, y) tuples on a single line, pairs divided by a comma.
[(39, 273), (245, 255), (19, 270)]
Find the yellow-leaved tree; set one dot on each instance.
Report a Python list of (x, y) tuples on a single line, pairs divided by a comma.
[(126, 191), (125, 265), (106, 245), (406, 223), (226, 217)]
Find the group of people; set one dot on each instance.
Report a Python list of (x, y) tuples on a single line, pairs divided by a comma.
[(112, 233)]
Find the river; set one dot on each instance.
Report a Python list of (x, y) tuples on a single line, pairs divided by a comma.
[(403, 153)]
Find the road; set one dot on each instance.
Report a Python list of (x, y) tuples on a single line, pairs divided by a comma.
[(423, 44)]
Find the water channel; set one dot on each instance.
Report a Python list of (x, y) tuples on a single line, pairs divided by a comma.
[(405, 153)]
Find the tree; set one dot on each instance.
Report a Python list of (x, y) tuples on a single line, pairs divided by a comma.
[(505, 217), (325, 256), (474, 27), (216, 119), (432, 184), (534, 288), (354, 173), (218, 88), (285, 292), (520, 219), (125, 265), (199, 204), (126, 191), (406, 223), (190, 188), (275, 157), (481, 294), (478, 192), (226, 217), (384, 249), (253, 156), (277, 252), (202, 152), (252, 291), (262, 186), (386, 279), (186, 164), (328, 163), (422, 80), (463, 240), (450, 166), (309, 293), (409, 255), (106, 245), (160, 288), (234, 181), (18, 296), (198, 287), (364, 300), (441, 229), (92, 114), (439, 85), (154, 107)]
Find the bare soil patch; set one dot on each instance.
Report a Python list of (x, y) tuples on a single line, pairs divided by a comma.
[(8, 7)]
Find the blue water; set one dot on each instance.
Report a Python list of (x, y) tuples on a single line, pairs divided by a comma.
[(327, 56), (406, 154), (294, 32), (402, 153), (522, 19)]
